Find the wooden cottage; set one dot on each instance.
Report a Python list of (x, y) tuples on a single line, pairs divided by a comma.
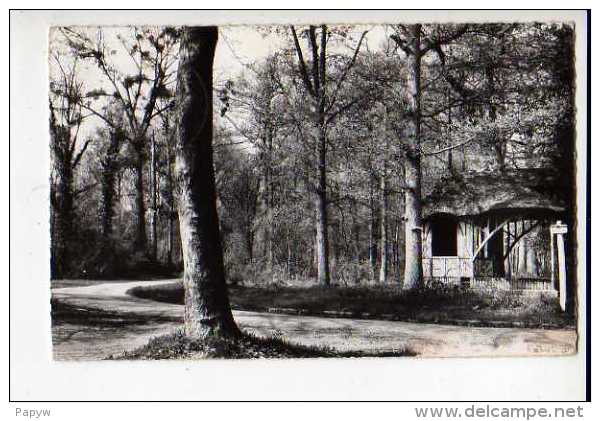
[(473, 225)]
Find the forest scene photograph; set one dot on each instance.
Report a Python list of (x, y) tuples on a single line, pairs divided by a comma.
[(299, 191)]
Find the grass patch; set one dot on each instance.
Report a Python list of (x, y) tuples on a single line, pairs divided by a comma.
[(436, 304), (179, 346)]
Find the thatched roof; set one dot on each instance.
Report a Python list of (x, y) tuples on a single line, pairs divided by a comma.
[(537, 191)]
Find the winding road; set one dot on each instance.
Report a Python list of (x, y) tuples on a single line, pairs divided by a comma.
[(133, 321)]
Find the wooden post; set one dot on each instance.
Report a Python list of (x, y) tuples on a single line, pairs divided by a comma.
[(562, 273), (560, 229)]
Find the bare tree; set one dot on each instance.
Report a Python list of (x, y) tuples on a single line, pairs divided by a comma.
[(65, 122), (152, 52), (325, 109)]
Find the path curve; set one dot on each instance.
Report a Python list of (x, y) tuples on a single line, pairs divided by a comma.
[(73, 342)]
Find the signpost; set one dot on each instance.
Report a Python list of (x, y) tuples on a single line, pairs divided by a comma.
[(559, 229)]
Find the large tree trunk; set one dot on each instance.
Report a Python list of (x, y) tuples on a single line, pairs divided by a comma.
[(413, 269), (207, 310), (413, 272)]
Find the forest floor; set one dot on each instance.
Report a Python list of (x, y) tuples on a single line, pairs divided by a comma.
[(101, 319)]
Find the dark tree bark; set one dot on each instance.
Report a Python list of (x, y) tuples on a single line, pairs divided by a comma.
[(207, 309), (109, 167), (62, 207), (62, 196), (566, 161), (141, 241), (169, 193)]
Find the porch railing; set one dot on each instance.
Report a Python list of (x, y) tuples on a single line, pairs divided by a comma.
[(456, 267), (447, 267)]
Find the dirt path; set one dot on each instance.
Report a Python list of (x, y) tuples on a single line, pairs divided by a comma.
[(134, 320)]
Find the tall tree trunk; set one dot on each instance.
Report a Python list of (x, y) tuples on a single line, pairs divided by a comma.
[(316, 88), (413, 269), (265, 207), (141, 241), (397, 277), (106, 206), (321, 213), (249, 240), (63, 214), (170, 239), (372, 246), (321, 199), (207, 310), (109, 174), (170, 199), (61, 198), (383, 270), (153, 202), (357, 244)]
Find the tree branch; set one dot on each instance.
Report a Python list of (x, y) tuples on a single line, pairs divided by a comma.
[(80, 154), (302, 63), (346, 71), (439, 151)]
